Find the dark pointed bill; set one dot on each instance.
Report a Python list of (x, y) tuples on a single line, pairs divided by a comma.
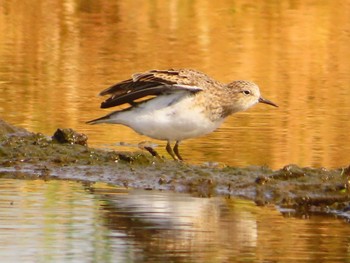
[(262, 100)]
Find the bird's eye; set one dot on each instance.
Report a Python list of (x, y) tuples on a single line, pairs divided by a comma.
[(246, 92)]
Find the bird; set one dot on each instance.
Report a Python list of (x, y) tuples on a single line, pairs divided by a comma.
[(176, 104)]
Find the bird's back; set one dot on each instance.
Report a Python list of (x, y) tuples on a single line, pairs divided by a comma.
[(156, 82)]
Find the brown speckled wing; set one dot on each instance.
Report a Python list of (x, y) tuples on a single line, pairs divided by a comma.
[(151, 83)]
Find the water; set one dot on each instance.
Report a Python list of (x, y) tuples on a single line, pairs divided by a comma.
[(55, 56), (66, 221)]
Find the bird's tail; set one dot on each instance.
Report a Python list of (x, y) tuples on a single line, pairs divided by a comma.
[(104, 119), (96, 121)]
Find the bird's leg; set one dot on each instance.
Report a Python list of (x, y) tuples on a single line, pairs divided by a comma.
[(176, 150), (152, 151), (170, 151), (146, 146)]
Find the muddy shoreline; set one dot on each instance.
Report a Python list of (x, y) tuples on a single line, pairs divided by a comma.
[(66, 155)]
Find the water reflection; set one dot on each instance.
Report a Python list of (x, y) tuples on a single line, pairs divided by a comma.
[(180, 228), (60, 221)]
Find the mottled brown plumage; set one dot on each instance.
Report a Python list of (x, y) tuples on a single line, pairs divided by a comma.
[(156, 82)]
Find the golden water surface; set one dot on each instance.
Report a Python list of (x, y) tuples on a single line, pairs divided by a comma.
[(66, 221), (55, 56)]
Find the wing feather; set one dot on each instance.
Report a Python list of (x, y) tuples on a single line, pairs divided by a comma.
[(151, 83)]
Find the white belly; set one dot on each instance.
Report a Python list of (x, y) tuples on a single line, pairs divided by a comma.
[(178, 121)]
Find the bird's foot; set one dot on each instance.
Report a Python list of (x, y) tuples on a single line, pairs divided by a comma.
[(147, 147)]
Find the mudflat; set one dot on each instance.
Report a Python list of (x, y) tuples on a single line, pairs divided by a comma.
[(66, 155)]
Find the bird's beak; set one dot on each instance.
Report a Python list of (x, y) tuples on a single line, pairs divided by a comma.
[(262, 100)]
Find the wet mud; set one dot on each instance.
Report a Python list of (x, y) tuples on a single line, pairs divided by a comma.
[(66, 155)]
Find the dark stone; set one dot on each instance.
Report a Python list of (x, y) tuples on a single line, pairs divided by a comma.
[(70, 136)]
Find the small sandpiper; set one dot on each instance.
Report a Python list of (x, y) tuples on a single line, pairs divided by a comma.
[(175, 105)]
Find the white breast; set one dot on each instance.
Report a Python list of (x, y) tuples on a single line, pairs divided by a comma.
[(168, 118)]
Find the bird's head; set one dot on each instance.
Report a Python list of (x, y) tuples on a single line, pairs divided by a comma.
[(245, 94)]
